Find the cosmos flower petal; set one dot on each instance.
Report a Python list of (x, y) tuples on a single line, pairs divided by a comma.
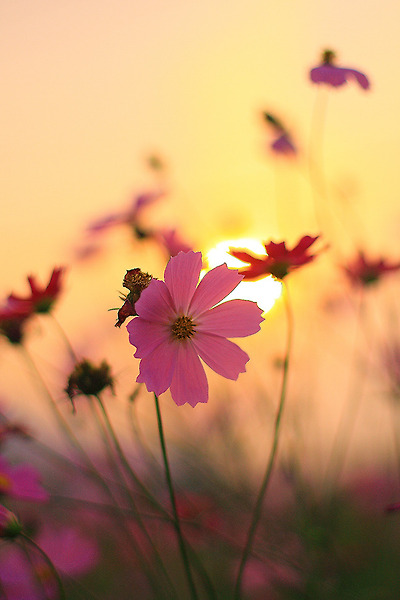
[(235, 318), (146, 336), (155, 303), (189, 382), (181, 277), (360, 78), (157, 368), (221, 355), (215, 285)]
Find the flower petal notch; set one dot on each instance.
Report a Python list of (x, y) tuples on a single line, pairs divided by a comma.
[(279, 260), (329, 74), (181, 324)]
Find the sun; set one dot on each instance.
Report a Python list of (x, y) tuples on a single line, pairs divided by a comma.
[(264, 291)]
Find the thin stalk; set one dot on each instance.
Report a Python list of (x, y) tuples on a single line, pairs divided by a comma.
[(176, 521), (48, 562), (125, 462), (129, 495), (65, 338), (349, 413), (271, 461)]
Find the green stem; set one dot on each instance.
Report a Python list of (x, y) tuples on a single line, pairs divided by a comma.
[(129, 471), (176, 521), (271, 461), (65, 338), (49, 563)]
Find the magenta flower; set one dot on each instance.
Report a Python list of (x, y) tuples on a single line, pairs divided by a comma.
[(71, 552), (178, 323), (330, 74), (21, 481)]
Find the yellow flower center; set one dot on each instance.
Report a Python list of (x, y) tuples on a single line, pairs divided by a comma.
[(182, 328), (5, 483)]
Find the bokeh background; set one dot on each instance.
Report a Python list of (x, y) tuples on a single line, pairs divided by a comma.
[(92, 89)]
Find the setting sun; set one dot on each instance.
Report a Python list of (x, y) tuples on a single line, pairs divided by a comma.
[(265, 291)]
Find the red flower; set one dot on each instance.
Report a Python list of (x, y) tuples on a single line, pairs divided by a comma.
[(334, 76), (41, 299), (362, 271), (278, 262), (13, 317)]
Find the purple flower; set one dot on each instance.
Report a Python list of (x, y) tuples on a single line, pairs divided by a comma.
[(330, 74)]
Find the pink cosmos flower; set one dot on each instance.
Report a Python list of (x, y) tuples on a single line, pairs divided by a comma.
[(330, 74), (21, 481), (41, 299), (363, 271), (178, 323)]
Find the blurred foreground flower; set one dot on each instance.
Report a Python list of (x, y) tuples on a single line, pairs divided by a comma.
[(278, 262), (176, 325), (282, 143), (41, 299), (363, 271), (71, 552), (21, 481), (330, 74)]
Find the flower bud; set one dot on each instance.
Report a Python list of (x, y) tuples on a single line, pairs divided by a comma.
[(89, 380), (135, 281), (10, 526)]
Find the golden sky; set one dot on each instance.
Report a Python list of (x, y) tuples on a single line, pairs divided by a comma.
[(91, 88)]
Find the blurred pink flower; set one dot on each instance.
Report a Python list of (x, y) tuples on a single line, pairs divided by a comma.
[(41, 299), (334, 76), (172, 241), (71, 552), (130, 216), (21, 481), (279, 260), (362, 271), (177, 324)]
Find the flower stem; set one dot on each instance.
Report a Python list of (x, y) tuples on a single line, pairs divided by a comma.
[(176, 521), (271, 461), (49, 563)]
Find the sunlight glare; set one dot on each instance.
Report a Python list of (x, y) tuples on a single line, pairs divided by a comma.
[(264, 291)]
